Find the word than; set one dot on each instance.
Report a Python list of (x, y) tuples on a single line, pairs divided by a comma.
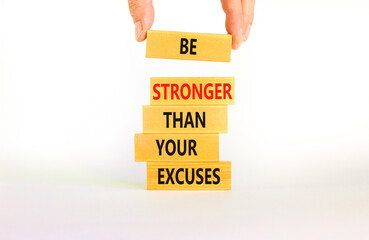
[(186, 121)]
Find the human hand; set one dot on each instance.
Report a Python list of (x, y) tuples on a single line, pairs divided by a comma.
[(239, 18)]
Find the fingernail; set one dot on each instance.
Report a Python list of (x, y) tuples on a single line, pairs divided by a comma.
[(237, 46), (239, 40), (138, 30), (247, 33), (242, 34)]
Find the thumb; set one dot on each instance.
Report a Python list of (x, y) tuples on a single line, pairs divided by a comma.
[(233, 11), (142, 12)]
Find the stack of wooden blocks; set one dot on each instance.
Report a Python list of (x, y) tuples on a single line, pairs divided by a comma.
[(180, 139)]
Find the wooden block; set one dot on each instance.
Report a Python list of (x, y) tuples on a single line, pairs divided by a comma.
[(185, 119), (191, 90), (188, 176), (189, 46), (176, 147)]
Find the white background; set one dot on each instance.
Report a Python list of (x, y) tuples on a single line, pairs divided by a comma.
[(73, 82)]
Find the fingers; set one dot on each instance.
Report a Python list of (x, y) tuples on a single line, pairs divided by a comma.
[(239, 18), (248, 17), (233, 11), (142, 12)]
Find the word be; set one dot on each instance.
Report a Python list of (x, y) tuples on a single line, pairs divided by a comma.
[(184, 47)]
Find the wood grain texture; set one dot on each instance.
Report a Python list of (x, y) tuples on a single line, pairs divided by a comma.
[(208, 47), (195, 119), (192, 90), (207, 176), (176, 147)]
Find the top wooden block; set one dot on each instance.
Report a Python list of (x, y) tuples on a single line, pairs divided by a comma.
[(189, 46)]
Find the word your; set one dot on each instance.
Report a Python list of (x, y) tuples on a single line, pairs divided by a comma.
[(171, 147)]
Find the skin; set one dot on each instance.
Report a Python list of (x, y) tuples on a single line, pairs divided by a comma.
[(239, 18)]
